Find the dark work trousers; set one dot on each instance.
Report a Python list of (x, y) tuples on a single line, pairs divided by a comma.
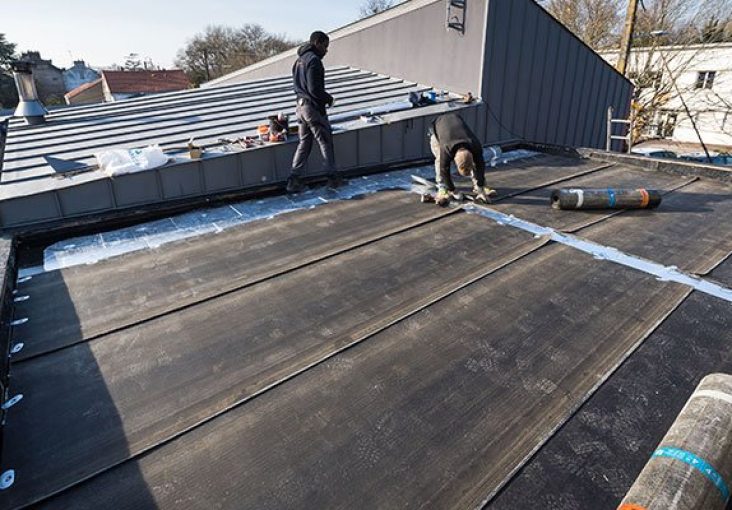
[(313, 125)]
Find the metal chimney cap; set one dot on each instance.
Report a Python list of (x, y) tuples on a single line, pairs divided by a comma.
[(29, 106), (33, 111)]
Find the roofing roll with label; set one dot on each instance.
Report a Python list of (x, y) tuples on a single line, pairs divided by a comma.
[(692, 467), (610, 198)]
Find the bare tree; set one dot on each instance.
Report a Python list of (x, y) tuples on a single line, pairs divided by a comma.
[(8, 94), (220, 49), (596, 22), (599, 22), (683, 21), (671, 38), (371, 7), (655, 69), (133, 62)]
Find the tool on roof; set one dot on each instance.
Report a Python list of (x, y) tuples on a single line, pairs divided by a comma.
[(429, 193), (423, 99), (194, 151), (692, 467), (279, 126), (609, 198)]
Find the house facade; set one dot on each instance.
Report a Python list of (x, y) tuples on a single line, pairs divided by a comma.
[(49, 78), (78, 75), (669, 77)]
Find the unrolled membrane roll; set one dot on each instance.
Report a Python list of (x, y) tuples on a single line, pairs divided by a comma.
[(577, 198)]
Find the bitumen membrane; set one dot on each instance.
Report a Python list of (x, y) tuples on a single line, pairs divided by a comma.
[(370, 353)]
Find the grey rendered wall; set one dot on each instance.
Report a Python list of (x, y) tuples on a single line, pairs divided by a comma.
[(417, 47), (542, 84), (412, 44)]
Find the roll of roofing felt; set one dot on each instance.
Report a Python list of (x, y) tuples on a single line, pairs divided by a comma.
[(575, 198), (692, 467)]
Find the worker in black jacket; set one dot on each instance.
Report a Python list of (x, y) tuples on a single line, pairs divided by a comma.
[(308, 76), (452, 140)]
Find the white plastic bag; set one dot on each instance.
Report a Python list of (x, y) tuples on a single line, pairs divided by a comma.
[(126, 161)]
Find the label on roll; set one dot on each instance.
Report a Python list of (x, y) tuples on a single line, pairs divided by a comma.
[(697, 463), (580, 197), (645, 198)]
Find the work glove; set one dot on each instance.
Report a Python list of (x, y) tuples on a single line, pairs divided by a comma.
[(443, 198), (484, 195)]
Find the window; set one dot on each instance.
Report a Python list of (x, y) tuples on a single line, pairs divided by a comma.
[(705, 79)]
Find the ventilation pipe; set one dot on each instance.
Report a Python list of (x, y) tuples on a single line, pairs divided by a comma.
[(29, 106)]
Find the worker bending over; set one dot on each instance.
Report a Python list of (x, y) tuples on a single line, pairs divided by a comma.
[(452, 140)]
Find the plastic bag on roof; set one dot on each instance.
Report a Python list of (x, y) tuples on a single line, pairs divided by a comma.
[(126, 161)]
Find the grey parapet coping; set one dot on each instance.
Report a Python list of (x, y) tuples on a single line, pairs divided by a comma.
[(393, 139), (671, 166)]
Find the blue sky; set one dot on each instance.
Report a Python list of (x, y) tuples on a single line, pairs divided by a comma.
[(102, 32)]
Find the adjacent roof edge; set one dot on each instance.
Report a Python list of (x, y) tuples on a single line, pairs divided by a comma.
[(677, 167), (165, 80), (679, 47), (81, 88)]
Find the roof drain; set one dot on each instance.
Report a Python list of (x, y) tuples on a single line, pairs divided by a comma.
[(30, 106)]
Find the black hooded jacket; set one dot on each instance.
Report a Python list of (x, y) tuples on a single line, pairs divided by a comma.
[(308, 75), (453, 134)]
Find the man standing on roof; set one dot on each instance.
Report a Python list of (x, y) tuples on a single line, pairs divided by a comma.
[(452, 140), (308, 75)]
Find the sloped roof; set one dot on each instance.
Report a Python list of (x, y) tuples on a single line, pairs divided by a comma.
[(81, 88), (59, 156), (138, 82)]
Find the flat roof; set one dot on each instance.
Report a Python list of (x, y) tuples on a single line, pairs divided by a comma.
[(374, 352)]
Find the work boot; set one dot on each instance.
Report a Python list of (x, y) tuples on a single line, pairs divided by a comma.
[(442, 198), (334, 181), (294, 185)]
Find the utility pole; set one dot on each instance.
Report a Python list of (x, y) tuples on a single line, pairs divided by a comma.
[(627, 40)]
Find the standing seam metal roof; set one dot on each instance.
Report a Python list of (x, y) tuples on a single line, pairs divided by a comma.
[(74, 135)]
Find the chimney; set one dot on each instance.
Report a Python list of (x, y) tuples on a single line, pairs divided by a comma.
[(29, 107)]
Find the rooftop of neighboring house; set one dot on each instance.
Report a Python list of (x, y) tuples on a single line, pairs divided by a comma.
[(673, 47), (35, 58), (145, 81), (81, 88)]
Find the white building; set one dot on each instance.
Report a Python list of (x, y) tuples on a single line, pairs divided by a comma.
[(703, 74)]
